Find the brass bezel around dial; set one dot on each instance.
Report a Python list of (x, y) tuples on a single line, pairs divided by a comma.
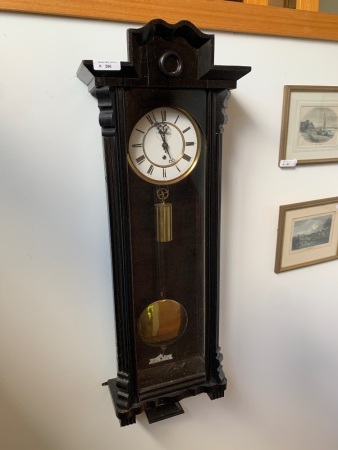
[(164, 146)]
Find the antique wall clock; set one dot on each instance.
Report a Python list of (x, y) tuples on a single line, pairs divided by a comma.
[(162, 116)]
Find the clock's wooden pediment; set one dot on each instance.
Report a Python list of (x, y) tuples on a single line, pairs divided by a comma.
[(166, 56)]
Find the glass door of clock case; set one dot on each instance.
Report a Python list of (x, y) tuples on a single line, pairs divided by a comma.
[(168, 273)]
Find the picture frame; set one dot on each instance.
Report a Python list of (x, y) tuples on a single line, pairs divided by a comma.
[(309, 130), (307, 234)]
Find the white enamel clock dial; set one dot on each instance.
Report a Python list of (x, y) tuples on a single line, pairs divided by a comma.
[(164, 146)]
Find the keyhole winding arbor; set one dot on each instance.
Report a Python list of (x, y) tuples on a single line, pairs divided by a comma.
[(162, 117)]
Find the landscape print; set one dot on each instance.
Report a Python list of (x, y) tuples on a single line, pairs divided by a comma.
[(311, 232), (319, 125)]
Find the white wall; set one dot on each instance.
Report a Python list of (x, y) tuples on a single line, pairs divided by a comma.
[(329, 6), (279, 333)]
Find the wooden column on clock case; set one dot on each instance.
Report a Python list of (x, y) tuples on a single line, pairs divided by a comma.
[(110, 99), (217, 104)]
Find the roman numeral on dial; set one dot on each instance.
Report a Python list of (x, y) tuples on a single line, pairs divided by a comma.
[(186, 157), (150, 170), (140, 159)]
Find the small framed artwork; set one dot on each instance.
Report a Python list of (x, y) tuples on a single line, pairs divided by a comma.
[(309, 133), (307, 234)]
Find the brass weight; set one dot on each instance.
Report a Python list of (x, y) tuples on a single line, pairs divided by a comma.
[(164, 232)]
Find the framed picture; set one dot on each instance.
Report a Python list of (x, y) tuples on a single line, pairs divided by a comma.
[(309, 131), (307, 234)]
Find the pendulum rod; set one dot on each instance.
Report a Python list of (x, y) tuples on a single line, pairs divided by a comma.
[(163, 233)]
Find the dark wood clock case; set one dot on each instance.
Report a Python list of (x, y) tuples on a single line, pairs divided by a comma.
[(169, 65)]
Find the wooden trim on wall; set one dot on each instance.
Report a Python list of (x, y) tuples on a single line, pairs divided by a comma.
[(206, 14), (256, 2), (308, 5)]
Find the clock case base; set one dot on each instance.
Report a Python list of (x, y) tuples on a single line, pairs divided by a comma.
[(161, 408), (157, 52)]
